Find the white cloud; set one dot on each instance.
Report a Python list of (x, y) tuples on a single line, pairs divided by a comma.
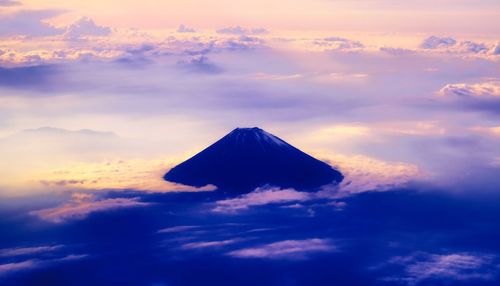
[(466, 90), (287, 249), (363, 173), (456, 266), (261, 196), (79, 209)]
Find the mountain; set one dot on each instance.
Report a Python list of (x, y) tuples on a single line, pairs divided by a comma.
[(248, 158)]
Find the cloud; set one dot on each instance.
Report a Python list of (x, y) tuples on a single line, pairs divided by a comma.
[(179, 228), (422, 266), (40, 77), (450, 45), (80, 209), (86, 27), (493, 131), (9, 268), (495, 50), (185, 29), (434, 42), (17, 266), (396, 51), (286, 249), (465, 90), (363, 173), (338, 43), (259, 197), (22, 251), (200, 64), (237, 30), (473, 47), (29, 23), (210, 244), (9, 3), (482, 96)]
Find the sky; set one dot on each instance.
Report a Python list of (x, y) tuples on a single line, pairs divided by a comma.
[(99, 99), (111, 94)]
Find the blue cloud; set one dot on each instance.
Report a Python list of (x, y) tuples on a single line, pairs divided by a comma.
[(434, 42), (238, 30), (86, 27), (29, 23), (185, 29)]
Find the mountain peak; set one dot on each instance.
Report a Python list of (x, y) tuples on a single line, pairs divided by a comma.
[(244, 135), (248, 158)]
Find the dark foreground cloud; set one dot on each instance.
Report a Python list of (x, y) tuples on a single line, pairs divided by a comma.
[(398, 237)]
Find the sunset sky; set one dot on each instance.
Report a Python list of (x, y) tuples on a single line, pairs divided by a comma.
[(376, 160), (110, 94)]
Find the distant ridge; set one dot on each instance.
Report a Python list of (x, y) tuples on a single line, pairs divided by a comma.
[(248, 158)]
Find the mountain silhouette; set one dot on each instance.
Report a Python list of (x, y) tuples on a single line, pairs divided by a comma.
[(248, 158)]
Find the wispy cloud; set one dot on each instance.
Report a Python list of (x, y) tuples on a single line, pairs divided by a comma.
[(259, 197), (22, 251), (422, 266), (179, 228), (9, 268), (80, 209), (286, 249), (210, 244)]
